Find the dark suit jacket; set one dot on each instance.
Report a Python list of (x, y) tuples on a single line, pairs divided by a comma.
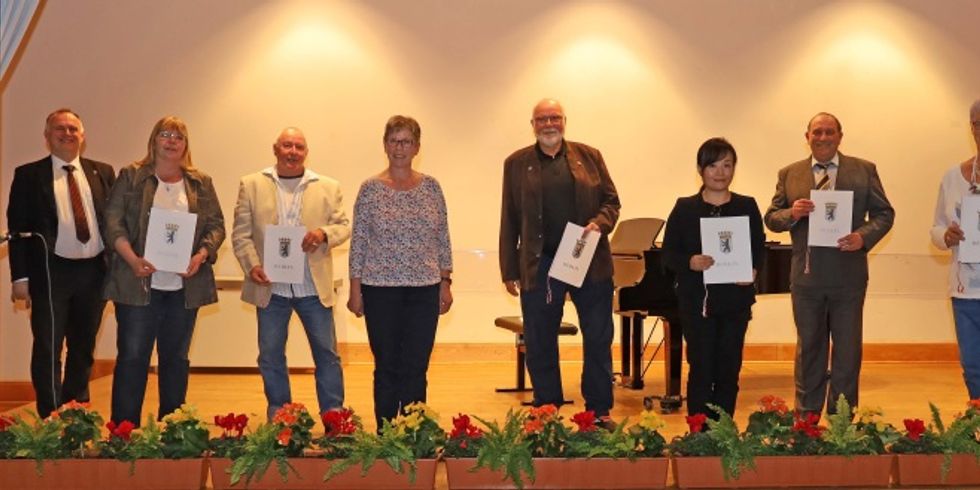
[(32, 208), (521, 224), (873, 217)]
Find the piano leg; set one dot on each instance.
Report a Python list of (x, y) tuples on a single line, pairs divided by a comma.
[(624, 344), (631, 350), (673, 358)]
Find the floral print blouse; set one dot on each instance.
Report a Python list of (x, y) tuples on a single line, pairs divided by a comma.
[(400, 238)]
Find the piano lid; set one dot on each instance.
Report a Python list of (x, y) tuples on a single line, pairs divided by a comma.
[(634, 236), (630, 239)]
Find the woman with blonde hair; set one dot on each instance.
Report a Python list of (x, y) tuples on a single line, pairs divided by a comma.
[(157, 306)]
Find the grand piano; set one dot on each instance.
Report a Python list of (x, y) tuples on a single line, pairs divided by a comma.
[(645, 287)]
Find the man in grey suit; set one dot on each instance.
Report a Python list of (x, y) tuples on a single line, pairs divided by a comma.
[(828, 284)]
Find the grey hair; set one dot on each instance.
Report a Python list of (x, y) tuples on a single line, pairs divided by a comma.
[(975, 109)]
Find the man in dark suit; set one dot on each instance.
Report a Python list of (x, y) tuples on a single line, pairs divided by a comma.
[(828, 284), (51, 199), (547, 185)]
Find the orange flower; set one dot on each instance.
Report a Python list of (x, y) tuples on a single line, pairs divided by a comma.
[(73, 405), (974, 404), (284, 416), (532, 426), (284, 436)]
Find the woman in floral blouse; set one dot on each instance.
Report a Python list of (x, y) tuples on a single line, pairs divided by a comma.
[(400, 266)]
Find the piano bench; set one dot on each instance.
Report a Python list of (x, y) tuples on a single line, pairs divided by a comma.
[(516, 324)]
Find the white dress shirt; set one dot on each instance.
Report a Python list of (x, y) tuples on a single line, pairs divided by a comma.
[(67, 244)]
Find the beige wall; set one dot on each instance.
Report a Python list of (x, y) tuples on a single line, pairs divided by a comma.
[(645, 82)]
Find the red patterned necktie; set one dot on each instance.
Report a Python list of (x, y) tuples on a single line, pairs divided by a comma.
[(77, 209)]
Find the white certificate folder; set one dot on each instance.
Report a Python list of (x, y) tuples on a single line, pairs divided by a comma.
[(970, 224), (728, 241), (283, 257), (831, 219), (574, 255), (169, 239)]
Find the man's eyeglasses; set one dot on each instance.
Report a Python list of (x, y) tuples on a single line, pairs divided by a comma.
[(401, 143), (171, 135), (555, 119)]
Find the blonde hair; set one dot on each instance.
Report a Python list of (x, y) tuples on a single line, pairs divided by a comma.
[(168, 123)]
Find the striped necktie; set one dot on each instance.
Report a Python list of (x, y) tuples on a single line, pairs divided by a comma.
[(77, 208), (822, 171)]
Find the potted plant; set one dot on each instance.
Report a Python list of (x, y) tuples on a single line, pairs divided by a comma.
[(781, 448), (408, 444), (286, 436), (66, 447), (940, 455), (535, 449)]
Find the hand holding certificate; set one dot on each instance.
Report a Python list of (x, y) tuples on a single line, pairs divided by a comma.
[(169, 239), (728, 241), (283, 258), (574, 255), (831, 217)]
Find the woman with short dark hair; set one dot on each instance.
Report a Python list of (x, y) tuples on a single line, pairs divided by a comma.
[(715, 316)]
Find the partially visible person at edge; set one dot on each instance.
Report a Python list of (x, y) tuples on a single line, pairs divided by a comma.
[(545, 186), (290, 194), (61, 200), (828, 284), (715, 316), (400, 268), (964, 278), (156, 306)]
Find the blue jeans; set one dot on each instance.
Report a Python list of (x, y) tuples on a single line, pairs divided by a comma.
[(170, 325), (593, 302), (317, 320), (966, 313)]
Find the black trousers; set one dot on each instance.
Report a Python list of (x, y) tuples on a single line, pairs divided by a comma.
[(714, 356), (71, 317), (401, 326)]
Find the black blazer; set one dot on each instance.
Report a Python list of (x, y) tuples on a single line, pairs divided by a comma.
[(32, 208)]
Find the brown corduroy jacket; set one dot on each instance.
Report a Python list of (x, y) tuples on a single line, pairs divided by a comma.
[(521, 220)]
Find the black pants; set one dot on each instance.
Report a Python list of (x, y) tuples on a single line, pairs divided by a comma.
[(76, 304), (401, 325), (714, 355)]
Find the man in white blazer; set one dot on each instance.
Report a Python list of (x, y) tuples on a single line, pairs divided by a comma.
[(289, 194)]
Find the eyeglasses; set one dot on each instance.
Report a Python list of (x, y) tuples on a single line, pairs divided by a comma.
[(401, 143), (553, 119), (170, 135)]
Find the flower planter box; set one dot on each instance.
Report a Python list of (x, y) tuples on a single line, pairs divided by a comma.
[(103, 474), (787, 471), (557, 473), (310, 475), (926, 469)]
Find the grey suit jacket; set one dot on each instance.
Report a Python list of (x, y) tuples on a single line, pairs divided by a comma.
[(873, 217)]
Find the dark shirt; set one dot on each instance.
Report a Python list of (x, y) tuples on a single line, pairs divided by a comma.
[(558, 197), (682, 240)]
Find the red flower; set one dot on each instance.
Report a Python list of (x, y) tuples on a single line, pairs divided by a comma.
[(5, 422), (807, 424), (123, 431), (915, 428), (338, 422), (770, 403), (975, 404), (696, 422), (462, 428), (585, 421), (232, 422), (284, 436)]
